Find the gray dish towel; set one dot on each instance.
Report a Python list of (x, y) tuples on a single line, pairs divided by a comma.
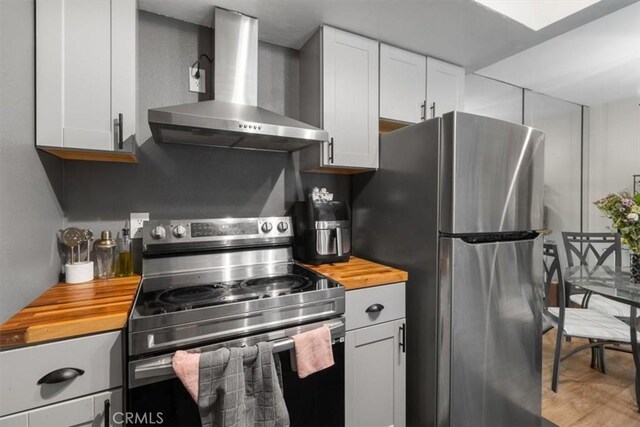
[(241, 387)]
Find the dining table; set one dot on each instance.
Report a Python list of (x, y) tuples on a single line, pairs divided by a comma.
[(614, 283)]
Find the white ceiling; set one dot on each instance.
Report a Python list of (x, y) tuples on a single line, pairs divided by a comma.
[(596, 63), (462, 32)]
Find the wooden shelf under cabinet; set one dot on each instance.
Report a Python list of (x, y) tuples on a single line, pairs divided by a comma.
[(95, 156)]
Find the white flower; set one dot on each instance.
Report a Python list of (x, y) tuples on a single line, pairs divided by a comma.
[(632, 217)]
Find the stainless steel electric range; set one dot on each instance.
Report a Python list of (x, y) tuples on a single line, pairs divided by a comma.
[(222, 283)]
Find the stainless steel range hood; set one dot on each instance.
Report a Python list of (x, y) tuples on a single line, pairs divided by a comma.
[(233, 119)]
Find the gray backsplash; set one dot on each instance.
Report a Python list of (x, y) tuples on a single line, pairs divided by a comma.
[(174, 181)]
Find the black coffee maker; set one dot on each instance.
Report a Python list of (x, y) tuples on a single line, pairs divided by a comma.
[(322, 231)]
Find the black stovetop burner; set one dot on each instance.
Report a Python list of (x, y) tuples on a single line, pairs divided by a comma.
[(183, 297)]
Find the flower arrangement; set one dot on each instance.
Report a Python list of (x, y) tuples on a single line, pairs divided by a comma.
[(624, 211)]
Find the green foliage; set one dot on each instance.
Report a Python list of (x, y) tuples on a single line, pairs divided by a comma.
[(624, 212)]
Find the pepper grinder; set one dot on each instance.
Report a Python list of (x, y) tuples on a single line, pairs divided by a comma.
[(106, 255)]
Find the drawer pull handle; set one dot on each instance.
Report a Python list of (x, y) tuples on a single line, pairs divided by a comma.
[(60, 375), (375, 308)]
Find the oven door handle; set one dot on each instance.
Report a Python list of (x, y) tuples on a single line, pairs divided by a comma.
[(162, 367)]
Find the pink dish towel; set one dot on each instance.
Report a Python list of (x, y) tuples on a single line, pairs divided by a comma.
[(187, 366), (313, 351)]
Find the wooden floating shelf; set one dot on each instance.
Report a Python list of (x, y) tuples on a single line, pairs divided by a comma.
[(94, 156)]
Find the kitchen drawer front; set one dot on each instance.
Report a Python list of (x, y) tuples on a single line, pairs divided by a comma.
[(89, 411), (385, 303), (17, 420), (99, 356)]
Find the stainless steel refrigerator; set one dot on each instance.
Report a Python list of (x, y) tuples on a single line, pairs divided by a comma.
[(458, 202)]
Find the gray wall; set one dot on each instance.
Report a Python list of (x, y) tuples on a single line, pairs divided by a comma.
[(30, 181), (491, 98), (173, 181)]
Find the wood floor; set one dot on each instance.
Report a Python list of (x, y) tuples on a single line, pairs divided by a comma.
[(586, 397)]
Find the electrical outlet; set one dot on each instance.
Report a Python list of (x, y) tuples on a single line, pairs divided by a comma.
[(136, 220), (197, 85)]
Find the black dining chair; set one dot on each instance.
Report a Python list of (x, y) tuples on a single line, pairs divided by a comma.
[(594, 249), (599, 328)]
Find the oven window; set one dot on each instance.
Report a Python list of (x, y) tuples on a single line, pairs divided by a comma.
[(317, 400)]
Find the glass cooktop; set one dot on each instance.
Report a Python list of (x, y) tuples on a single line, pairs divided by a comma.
[(181, 293)]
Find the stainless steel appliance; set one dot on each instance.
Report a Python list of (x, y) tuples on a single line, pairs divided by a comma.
[(457, 202), (233, 119), (229, 282), (323, 231)]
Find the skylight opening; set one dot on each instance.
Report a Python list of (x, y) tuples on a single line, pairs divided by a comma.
[(537, 14)]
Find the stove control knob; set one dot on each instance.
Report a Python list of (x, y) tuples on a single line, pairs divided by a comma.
[(267, 227), (158, 232), (179, 231), (283, 226)]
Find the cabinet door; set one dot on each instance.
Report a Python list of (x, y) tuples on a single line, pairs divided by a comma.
[(375, 375), (350, 99), (85, 72), (86, 411), (402, 84), (445, 88), (124, 16)]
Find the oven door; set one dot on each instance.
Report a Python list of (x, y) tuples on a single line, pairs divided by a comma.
[(318, 400)]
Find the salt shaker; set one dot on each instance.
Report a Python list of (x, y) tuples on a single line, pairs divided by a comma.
[(106, 255)]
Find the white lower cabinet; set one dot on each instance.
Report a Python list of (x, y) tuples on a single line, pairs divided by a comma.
[(94, 410), (73, 382), (375, 367)]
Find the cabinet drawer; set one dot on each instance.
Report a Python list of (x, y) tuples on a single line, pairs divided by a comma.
[(389, 298), (99, 356), (17, 420)]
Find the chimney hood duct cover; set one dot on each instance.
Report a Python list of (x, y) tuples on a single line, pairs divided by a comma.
[(233, 119)]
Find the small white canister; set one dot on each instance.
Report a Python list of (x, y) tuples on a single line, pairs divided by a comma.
[(78, 272)]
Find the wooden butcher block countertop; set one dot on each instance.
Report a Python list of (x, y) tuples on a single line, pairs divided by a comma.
[(359, 273), (67, 311)]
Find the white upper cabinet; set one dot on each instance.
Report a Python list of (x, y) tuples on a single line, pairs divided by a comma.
[(403, 79), (445, 88), (86, 78), (339, 93)]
